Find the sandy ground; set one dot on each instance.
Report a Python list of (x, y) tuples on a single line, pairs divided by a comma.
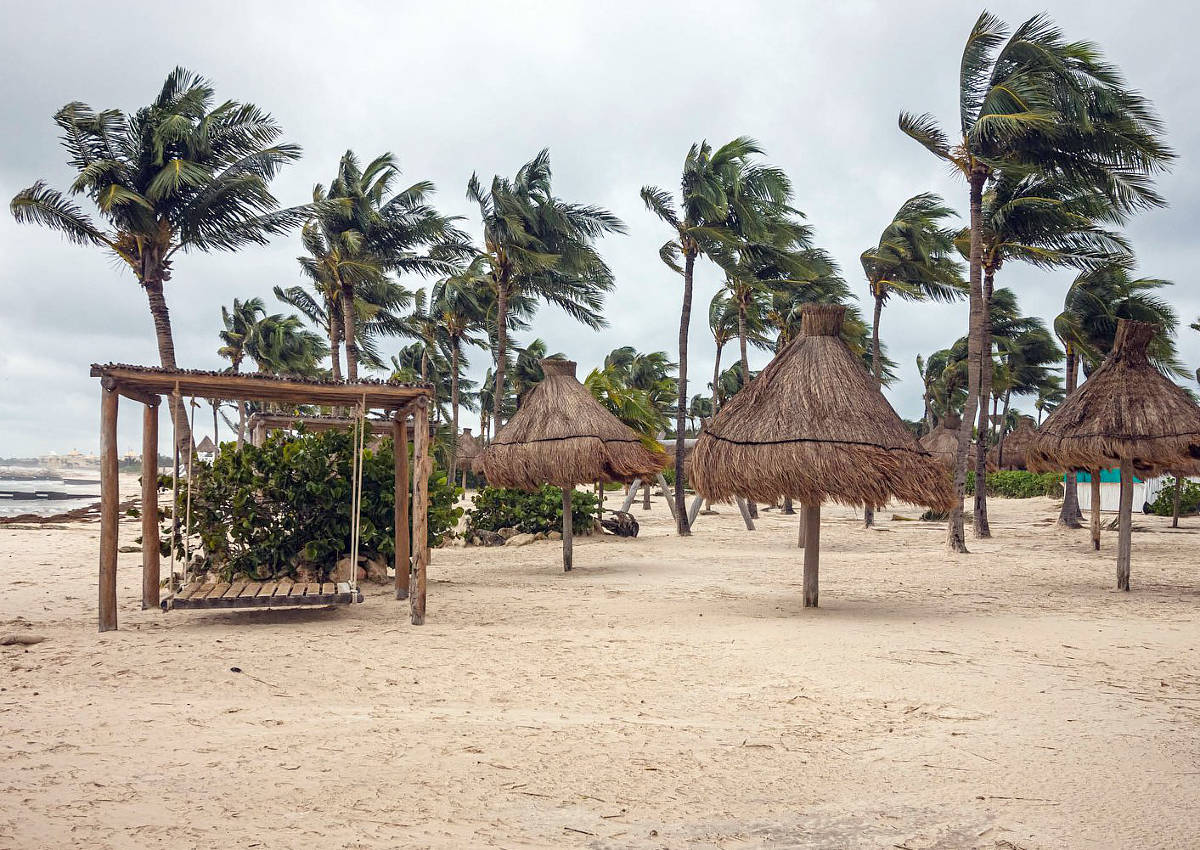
[(670, 693)]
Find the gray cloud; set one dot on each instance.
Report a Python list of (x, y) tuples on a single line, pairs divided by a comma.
[(617, 91)]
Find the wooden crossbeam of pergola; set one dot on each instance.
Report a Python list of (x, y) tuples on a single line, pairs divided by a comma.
[(259, 424), (402, 402)]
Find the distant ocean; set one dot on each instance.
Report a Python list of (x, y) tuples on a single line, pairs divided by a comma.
[(46, 497)]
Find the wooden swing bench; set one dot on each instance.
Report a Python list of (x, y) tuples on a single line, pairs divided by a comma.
[(262, 594)]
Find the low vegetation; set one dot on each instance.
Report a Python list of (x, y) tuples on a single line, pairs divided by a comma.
[(529, 512)]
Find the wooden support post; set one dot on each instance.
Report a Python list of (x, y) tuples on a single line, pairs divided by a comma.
[(420, 513), (1176, 500), (803, 526), (464, 480), (110, 498), (694, 510), (662, 482), (812, 553), (403, 556), (150, 554), (1125, 525), (1095, 509), (646, 496), (631, 495), (745, 509), (568, 530), (599, 500)]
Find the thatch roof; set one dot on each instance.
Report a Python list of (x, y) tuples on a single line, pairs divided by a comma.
[(206, 446), (1016, 443), (468, 447), (563, 436), (1126, 410), (814, 426), (942, 441)]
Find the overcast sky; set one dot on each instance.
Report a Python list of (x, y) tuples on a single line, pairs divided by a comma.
[(617, 91)]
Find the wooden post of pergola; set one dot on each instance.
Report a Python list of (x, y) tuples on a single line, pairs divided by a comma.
[(147, 384), (420, 512)]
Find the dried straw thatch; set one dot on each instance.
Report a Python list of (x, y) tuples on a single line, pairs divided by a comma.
[(206, 447), (563, 436), (1016, 443), (1125, 414), (1125, 411), (942, 442), (814, 426), (468, 448)]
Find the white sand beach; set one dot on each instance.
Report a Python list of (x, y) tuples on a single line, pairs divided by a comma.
[(667, 694)]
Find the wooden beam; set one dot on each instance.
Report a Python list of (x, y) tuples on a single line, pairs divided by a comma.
[(129, 392), (110, 497), (694, 510), (662, 482), (1125, 524), (568, 530), (812, 553), (1095, 508), (403, 547), (631, 495), (420, 517), (150, 554)]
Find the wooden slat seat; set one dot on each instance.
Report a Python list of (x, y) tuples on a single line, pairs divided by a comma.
[(268, 594)]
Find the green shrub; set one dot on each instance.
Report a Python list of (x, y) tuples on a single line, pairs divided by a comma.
[(266, 511), (1019, 484), (529, 513), (1189, 499)]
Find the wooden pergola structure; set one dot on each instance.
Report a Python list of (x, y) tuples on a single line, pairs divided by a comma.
[(147, 385), (260, 424)]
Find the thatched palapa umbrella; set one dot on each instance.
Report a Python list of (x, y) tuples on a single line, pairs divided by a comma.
[(1126, 414), (814, 426), (1010, 454), (562, 436), (466, 451), (942, 441)]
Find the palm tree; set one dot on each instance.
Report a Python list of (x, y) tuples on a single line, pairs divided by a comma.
[(723, 323), (457, 305), (359, 238), (717, 189), (652, 373), (526, 372), (239, 324), (912, 260), (700, 409), (1038, 103), (541, 247), (1050, 394), (177, 175)]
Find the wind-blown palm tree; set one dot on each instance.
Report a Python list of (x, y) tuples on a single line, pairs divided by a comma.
[(177, 175), (463, 317), (1039, 103), (724, 197), (1049, 223), (361, 237), (541, 247), (913, 261)]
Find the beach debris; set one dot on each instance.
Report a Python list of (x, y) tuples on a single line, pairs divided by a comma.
[(520, 540), (621, 524), (15, 639)]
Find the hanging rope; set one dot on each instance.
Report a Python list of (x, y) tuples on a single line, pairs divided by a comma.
[(187, 536), (174, 494), (358, 437)]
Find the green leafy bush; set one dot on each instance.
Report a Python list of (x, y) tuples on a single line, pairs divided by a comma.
[(529, 513), (1019, 484), (1189, 499), (267, 511)]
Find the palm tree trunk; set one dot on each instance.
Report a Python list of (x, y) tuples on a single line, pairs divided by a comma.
[(501, 345), (166, 352), (716, 378), (955, 536), (348, 321), (453, 407), (982, 528), (1070, 516), (685, 318), (335, 345), (745, 359), (876, 357)]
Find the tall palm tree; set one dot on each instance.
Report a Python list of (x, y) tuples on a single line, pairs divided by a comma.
[(177, 175), (542, 247), (718, 188), (1045, 221), (1035, 101), (462, 314), (362, 235), (913, 261), (239, 324)]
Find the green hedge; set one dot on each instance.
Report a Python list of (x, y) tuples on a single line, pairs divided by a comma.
[(1019, 484), (267, 511), (1189, 499), (529, 513)]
